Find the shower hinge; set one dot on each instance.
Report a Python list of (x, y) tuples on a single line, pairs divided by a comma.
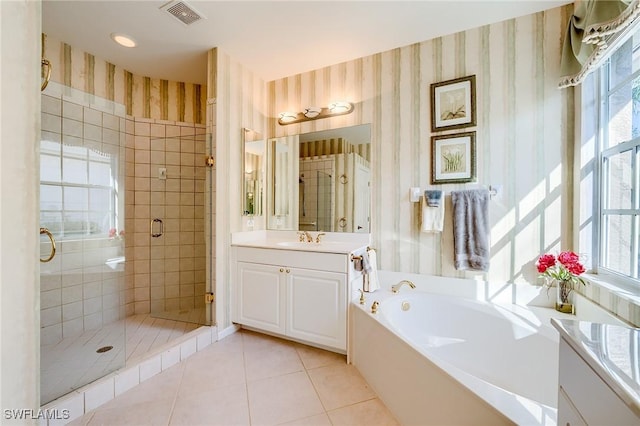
[(209, 298), (210, 161)]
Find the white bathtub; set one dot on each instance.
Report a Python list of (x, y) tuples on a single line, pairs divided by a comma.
[(457, 360)]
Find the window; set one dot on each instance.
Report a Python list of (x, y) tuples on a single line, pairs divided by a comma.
[(619, 159), (78, 192)]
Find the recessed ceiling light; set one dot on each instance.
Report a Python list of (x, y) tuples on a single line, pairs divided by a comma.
[(123, 40)]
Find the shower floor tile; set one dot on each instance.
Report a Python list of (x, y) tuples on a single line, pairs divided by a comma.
[(221, 386), (74, 362)]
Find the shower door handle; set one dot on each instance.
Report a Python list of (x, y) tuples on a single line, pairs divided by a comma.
[(53, 245), (157, 234)]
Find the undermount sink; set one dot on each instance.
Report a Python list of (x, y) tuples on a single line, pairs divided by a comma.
[(299, 244), (303, 245)]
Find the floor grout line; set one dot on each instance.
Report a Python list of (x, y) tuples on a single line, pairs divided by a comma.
[(246, 381), (175, 397)]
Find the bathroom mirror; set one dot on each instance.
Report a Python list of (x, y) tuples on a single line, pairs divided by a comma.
[(253, 173), (319, 181)]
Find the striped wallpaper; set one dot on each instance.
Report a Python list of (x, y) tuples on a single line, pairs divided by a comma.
[(524, 124), (144, 97), (237, 99)]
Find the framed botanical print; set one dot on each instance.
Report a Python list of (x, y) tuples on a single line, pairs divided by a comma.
[(453, 158), (453, 104)]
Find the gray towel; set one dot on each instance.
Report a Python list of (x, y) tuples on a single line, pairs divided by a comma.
[(471, 229), (433, 197)]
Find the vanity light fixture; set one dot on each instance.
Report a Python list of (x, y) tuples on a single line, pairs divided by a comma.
[(287, 117), (123, 40), (315, 113), (340, 107), (312, 112)]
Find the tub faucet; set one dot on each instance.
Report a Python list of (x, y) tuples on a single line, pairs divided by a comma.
[(396, 288)]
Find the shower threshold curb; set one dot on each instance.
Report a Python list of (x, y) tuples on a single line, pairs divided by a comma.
[(79, 402)]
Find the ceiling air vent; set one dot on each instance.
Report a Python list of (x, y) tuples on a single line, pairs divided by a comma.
[(184, 12)]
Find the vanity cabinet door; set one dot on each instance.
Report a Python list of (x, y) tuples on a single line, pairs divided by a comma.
[(317, 310), (567, 413), (261, 296), (592, 398)]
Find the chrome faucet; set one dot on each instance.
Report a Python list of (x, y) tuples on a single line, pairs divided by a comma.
[(396, 288)]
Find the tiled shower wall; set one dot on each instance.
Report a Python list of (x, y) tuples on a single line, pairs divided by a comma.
[(79, 290), (175, 105), (168, 272), (318, 193)]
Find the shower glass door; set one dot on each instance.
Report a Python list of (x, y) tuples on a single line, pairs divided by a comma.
[(178, 252), (82, 282), (324, 208)]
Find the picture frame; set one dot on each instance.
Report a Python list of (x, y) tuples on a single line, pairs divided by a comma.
[(453, 104), (453, 158)]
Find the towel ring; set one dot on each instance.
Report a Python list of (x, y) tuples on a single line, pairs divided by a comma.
[(342, 222), (45, 63), (53, 245), (343, 179)]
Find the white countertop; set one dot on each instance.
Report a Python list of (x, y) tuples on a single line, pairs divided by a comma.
[(610, 352), (331, 242)]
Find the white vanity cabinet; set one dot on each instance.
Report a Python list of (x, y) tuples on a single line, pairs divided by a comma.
[(296, 294), (594, 388), (261, 293), (316, 306)]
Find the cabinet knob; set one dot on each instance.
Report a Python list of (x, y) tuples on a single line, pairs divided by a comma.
[(288, 271), (281, 269)]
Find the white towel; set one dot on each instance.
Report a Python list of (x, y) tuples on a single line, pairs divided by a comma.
[(432, 217), (370, 264)]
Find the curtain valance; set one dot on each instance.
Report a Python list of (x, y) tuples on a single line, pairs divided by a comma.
[(590, 29)]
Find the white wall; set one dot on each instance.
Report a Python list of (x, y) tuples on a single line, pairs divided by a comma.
[(19, 133)]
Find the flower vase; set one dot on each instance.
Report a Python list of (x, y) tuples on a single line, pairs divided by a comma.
[(564, 296)]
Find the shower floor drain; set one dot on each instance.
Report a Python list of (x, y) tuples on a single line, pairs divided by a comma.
[(104, 349)]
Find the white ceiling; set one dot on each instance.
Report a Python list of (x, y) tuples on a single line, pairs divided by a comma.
[(274, 39)]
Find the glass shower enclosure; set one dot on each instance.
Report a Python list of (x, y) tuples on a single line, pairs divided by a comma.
[(82, 240), (92, 306)]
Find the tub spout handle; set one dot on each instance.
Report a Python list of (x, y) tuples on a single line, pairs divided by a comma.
[(374, 307), (396, 288)]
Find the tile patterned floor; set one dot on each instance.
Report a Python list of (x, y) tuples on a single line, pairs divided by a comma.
[(249, 379), (74, 362)]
